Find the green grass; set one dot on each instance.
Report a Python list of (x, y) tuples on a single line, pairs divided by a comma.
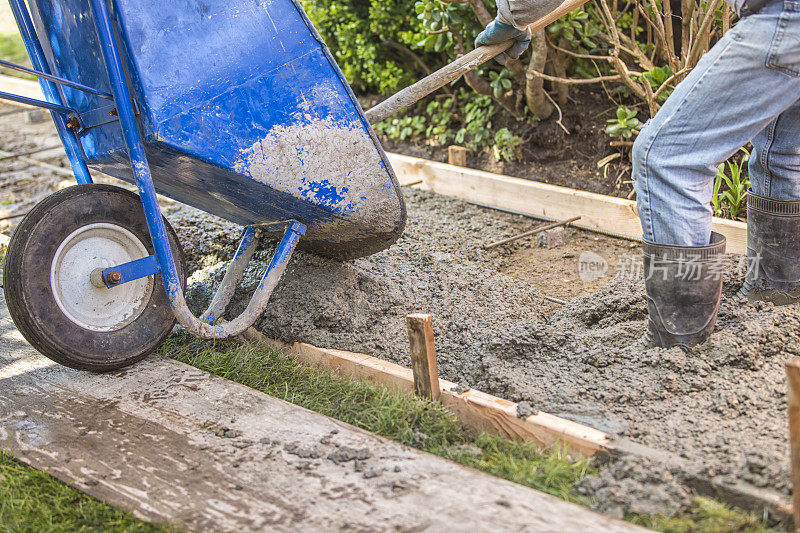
[(33, 501), (427, 426), (705, 516)]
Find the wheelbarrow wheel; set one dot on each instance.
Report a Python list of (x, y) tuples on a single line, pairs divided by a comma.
[(51, 297)]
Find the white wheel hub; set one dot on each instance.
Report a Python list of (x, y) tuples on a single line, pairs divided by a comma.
[(98, 246)]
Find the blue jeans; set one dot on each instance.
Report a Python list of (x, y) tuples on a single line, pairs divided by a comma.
[(746, 88)]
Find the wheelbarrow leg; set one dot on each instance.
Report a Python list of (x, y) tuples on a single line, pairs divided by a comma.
[(233, 275), (155, 223)]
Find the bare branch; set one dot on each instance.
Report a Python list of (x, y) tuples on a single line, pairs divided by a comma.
[(534, 87), (620, 65), (560, 114), (572, 81), (407, 51), (697, 49), (669, 80), (484, 17)]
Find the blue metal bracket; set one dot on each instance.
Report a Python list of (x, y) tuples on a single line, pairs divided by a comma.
[(99, 116), (141, 268)]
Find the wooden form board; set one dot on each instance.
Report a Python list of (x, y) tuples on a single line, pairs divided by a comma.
[(423, 356), (597, 211), (172, 443), (793, 407), (474, 408)]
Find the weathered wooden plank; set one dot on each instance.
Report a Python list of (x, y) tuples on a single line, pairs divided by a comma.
[(423, 356), (793, 405), (172, 443), (597, 211)]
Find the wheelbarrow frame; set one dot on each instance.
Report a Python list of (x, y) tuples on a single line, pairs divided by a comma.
[(67, 122)]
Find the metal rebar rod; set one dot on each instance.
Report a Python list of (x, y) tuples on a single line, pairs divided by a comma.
[(31, 161), (56, 79), (24, 109), (31, 152), (531, 232), (15, 215)]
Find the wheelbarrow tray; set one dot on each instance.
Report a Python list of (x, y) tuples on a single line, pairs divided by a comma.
[(244, 113)]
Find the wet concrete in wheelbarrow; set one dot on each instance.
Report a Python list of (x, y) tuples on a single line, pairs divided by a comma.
[(722, 407)]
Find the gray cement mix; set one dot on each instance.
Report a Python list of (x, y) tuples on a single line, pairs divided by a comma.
[(721, 407)]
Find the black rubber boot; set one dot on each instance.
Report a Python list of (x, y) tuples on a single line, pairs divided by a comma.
[(773, 251), (683, 286)]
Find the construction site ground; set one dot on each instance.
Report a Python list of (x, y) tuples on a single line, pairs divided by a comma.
[(722, 407), (177, 445)]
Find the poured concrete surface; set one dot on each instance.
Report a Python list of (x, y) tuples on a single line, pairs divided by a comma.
[(172, 443)]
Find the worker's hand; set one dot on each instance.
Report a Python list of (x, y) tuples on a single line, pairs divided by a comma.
[(499, 32)]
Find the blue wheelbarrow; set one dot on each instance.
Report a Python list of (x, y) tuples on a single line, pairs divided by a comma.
[(235, 108)]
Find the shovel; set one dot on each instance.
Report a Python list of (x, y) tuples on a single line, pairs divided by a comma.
[(414, 93)]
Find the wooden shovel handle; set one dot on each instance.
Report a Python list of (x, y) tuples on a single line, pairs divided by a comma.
[(414, 93)]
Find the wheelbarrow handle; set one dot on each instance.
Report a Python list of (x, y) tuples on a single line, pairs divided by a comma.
[(414, 93)]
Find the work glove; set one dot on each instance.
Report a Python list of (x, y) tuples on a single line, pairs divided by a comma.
[(499, 32)]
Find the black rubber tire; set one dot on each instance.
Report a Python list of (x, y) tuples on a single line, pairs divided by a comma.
[(28, 292)]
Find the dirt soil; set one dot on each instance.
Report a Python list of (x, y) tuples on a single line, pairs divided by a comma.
[(721, 407)]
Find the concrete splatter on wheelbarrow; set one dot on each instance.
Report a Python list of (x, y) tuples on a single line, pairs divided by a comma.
[(325, 162)]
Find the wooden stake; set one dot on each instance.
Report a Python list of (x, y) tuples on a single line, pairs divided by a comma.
[(793, 403), (457, 155), (423, 356)]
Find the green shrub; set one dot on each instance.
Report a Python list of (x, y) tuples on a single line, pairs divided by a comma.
[(624, 124), (401, 129), (731, 200), (370, 40), (507, 146)]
